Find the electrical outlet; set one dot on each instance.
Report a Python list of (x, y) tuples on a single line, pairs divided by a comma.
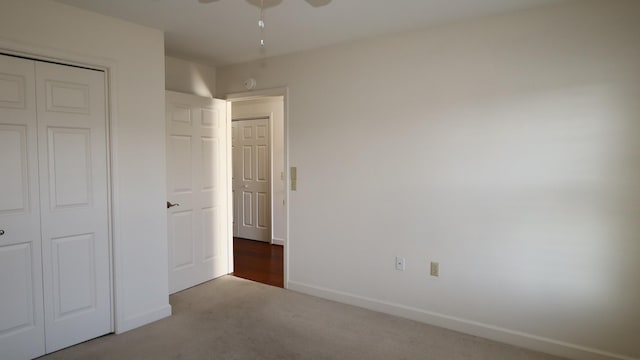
[(435, 268), (400, 262)]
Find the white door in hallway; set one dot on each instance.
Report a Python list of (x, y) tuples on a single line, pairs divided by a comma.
[(21, 302), (54, 218), (251, 179), (197, 170)]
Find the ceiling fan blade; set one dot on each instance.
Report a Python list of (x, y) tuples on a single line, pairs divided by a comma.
[(272, 3), (318, 3)]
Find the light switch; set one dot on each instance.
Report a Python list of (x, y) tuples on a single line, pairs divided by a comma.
[(435, 268), (294, 178)]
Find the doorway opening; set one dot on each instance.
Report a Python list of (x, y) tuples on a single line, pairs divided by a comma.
[(259, 186), (258, 261)]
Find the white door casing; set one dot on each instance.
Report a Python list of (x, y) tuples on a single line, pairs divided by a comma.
[(54, 253), (252, 179), (196, 180), (72, 147), (21, 304)]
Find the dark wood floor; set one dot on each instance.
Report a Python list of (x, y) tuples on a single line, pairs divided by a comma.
[(258, 261)]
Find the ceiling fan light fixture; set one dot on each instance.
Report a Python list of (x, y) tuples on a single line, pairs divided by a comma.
[(318, 3), (263, 4)]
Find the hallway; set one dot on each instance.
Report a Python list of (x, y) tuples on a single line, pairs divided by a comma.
[(258, 261)]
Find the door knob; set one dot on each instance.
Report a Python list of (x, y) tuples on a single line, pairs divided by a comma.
[(1, 232), (170, 205)]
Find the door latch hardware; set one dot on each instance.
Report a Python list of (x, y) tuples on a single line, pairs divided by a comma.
[(170, 205)]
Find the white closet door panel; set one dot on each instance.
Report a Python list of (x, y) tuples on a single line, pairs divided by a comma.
[(14, 83), (21, 299), (74, 275), (74, 206), (17, 300), (70, 159), (196, 179), (21, 319), (14, 164)]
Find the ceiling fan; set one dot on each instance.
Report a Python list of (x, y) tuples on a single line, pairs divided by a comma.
[(264, 4), (271, 3)]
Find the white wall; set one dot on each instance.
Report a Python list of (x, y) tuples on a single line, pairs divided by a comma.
[(506, 148), (136, 56), (189, 77), (271, 106)]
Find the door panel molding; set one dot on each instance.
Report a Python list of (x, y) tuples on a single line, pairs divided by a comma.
[(15, 169)]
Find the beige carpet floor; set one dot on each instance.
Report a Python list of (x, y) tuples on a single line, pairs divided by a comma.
[(235, 319)]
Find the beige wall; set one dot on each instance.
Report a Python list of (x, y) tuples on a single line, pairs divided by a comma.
[(505, 148), (274, 107), (135, 55), (189, 77)]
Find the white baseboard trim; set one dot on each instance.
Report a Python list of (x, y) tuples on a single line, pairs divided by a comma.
[(276, 241), (496, 333), (143, 319)]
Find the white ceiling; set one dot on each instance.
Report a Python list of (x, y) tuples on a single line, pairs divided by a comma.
[(226, 31)]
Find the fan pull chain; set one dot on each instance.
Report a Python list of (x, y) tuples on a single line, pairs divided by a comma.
[(261, 23)]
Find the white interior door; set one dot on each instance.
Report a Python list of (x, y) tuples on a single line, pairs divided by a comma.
[(197, 183), (72, 148), (21, 306), (251, 179)]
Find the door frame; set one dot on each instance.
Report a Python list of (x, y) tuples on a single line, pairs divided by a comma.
[(254, 95), (109, 68)]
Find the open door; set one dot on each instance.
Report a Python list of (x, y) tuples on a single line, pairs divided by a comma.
[(197, 189)]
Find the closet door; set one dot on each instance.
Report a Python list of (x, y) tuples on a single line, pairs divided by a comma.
[(72, 154), (21, 307)]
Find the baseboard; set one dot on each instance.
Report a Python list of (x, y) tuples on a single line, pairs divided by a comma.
[(143, 319), (276, 241), (507, 336)]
